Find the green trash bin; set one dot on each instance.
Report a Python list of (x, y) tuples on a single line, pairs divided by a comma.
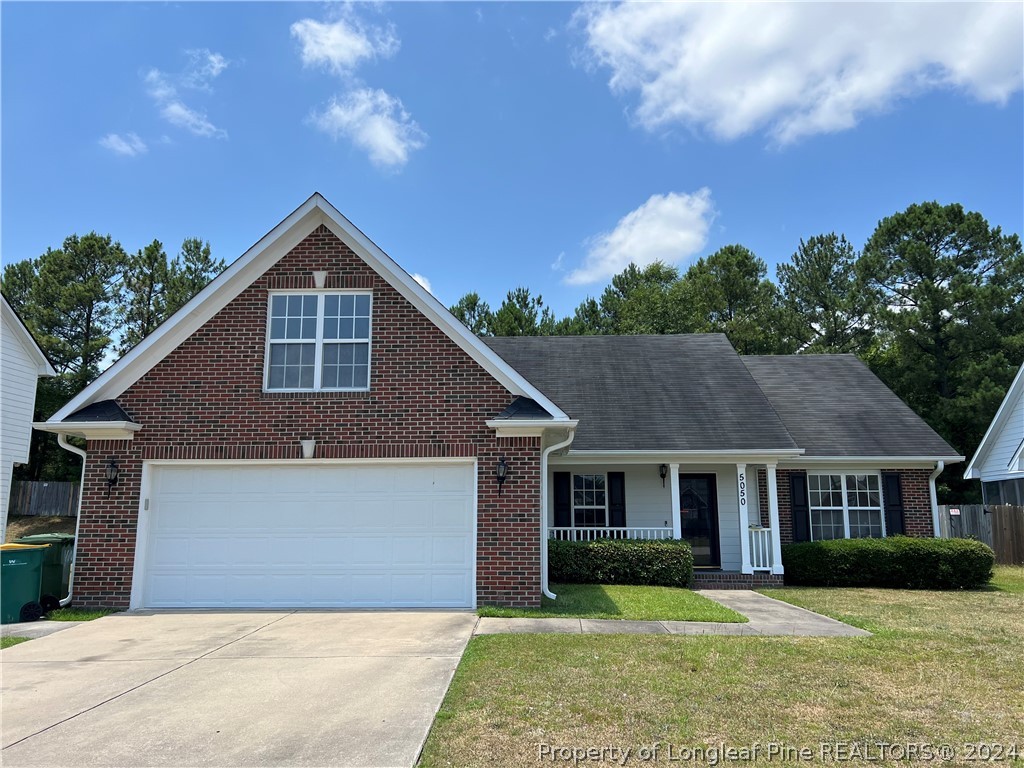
[(56, 566), (21, 575)]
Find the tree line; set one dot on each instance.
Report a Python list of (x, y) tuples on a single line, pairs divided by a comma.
[(933, 303), (89, 302)]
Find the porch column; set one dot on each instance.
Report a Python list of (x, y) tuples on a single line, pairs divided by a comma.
[(741, 493), (677, 523), (773, 516)]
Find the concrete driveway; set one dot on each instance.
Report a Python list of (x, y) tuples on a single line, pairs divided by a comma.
[(231, 689)]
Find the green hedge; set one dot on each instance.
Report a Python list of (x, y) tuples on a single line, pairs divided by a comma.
[(898, 562), (667, 563)]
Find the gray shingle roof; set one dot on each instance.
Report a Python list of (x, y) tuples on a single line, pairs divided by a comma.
[(104, 410), (833, 405), (671, 393)]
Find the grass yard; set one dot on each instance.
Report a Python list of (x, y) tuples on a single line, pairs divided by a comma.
[(942, 667), (7, 642), (29, 525), (78, 614), (618, 601)]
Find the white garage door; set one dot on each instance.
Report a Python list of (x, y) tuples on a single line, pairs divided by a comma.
[(324, 535)]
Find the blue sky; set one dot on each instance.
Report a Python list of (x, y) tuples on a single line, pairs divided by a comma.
[(485, 146)]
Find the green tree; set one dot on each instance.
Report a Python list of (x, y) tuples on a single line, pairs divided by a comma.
[(640, 301), (523, 315), (192, 269), (144, 303), (826, 309), (474, 313), (728, 292), (586, 320), (948, 300)]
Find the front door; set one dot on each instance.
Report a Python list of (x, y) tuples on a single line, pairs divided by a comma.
[(698, 514)]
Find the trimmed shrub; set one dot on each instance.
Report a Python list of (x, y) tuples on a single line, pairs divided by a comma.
[(665, 563), (899, 562)]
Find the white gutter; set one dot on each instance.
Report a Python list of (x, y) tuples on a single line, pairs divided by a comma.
[(544, 510), (939, 466), (62, 441)]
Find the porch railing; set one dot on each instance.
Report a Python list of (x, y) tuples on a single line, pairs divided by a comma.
[(592, 534), (761, 549)]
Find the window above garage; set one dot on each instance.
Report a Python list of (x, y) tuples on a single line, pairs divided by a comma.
[(318, 341)]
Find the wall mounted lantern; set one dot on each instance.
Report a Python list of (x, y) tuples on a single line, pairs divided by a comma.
[(501, 473), (111, 472), (663, 473)]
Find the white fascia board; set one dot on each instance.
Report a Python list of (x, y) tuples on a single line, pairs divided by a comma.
[(770, 456), (204, 305), (26, 339), (1001, 416), (435, 311), (528, 427), (258, 259), (91, 430), (904, 462)]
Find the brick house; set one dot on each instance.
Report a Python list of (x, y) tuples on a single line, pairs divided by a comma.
[(314, 429)]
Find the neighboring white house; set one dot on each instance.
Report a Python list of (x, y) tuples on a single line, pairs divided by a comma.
[(22, 362), (999, 460)]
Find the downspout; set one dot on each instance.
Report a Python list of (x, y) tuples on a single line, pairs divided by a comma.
[(62, 441), (939, 466), (544, 511)]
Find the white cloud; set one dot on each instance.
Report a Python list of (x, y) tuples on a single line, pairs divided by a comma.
[(374, 121), (339, 46), (204, 66), (422, 281), (176, 113), (128, 145), (668, 228), (798, 69)]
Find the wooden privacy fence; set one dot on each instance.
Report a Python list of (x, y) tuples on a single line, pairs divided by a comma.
[(42, 498), (1001, 527)]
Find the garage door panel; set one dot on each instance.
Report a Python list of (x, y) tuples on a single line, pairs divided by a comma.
[(318, 535)]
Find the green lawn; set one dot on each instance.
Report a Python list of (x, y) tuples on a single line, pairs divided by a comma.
[(77, 614), (597, 601), (943, 667), (7, 642)]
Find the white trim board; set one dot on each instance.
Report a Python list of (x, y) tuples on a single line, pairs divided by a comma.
[(270, 249), (1002, 414), (27, 340)]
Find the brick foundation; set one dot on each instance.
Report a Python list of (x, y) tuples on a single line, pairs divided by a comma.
[(427, 399), (731, 580)]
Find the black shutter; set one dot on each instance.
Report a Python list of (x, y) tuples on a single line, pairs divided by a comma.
[(893, 495), (617, 499), (800, 506), (563, 500)]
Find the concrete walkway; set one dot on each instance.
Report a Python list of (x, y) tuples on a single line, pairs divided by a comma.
[(34, 629), (768, 617)]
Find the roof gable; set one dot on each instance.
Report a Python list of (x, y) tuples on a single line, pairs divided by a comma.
[(272, 247), (1000, 422), (834, 406), (24, 336)]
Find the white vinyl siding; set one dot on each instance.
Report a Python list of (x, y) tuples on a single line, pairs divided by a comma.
[(328, 535), (19, 377), (1004, 445), (649, 503)]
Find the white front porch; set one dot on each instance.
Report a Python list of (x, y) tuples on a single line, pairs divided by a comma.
[(654, 509)]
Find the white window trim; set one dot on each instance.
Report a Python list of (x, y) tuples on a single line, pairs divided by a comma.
[(319, 341), (572, 490), (846, 501)]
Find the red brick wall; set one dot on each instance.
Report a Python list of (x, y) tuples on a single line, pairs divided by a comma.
[(917, 510), (427, 398)]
